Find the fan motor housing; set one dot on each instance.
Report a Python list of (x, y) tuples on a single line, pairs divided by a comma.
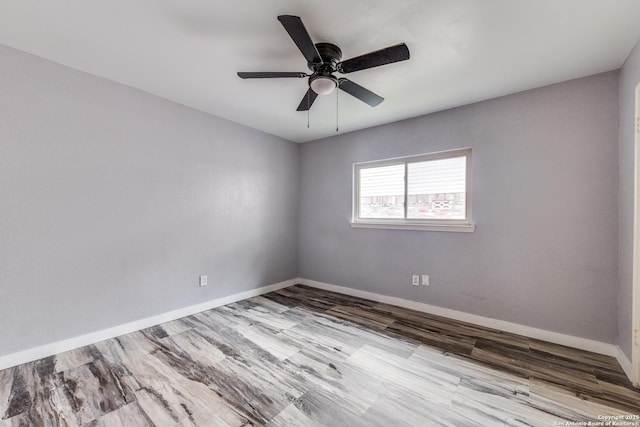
[(330, 54)]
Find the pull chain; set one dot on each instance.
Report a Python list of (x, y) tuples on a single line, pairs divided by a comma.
[(308, 108), (337, 108)]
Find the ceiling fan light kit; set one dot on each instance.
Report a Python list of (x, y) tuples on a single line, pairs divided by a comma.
[(323, 85), (324, 60)]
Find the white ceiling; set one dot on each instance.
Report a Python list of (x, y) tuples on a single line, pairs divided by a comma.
[(462, 51)]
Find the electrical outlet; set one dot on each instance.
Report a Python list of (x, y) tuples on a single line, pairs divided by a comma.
[(203, 281), (425, 280), (416, 280)]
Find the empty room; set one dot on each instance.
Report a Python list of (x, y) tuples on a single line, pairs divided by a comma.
[(347, 213)]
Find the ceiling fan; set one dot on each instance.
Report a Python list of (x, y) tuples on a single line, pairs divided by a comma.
[(324, 59)]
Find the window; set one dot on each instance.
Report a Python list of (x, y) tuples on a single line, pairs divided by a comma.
[(424, 192)]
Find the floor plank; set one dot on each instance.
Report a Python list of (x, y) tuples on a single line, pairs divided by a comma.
[(307, 357)]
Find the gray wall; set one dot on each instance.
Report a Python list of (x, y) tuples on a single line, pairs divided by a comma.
[(629, 78), (545, 197), (113, 202)]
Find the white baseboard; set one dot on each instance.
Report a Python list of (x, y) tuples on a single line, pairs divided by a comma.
[(624, 362), (47, 350), (541, 334)]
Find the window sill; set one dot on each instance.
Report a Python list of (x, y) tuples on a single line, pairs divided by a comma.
[(457, 228)]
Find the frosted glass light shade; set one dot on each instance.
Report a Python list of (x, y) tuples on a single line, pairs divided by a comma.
[(323, 85)]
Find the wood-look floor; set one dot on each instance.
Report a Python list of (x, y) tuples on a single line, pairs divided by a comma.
[(306, 357)]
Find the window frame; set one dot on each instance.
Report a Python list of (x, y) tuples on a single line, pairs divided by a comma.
[(457, 225)]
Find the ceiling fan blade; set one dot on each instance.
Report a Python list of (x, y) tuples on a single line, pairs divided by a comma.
[(270, 75), (388, 55), (364, 95), (307, 101), (300, 36)]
